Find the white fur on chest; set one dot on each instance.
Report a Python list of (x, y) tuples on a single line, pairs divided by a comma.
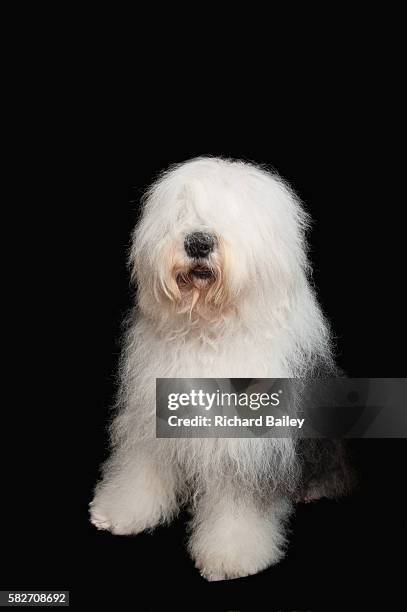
[(240, 355)]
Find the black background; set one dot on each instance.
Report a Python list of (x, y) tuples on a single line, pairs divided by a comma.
[(344, 553)]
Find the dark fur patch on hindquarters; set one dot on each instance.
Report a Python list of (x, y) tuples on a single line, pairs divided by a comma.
[(325, 470)]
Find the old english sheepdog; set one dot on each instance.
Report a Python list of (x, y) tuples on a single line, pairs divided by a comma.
[(220, 261)]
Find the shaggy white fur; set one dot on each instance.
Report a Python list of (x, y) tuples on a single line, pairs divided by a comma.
[(244, 310)]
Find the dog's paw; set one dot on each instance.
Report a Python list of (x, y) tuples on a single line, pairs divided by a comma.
[(238, 544), (99, 519), (229, 566), (309, 497), (126, 514), (115, 522), (104, 521), (217, 571)]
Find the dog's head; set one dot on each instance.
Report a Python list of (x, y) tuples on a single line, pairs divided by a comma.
[(216, 235)]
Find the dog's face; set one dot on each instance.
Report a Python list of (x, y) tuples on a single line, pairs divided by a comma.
[(185, 267), (212, 235)]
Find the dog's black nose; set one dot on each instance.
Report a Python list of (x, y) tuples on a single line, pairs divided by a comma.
[(199, 244)]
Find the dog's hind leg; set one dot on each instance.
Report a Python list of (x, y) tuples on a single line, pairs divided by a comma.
[(136, 493), (233, 536), (326, 470)]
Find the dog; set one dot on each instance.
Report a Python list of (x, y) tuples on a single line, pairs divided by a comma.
[(219, 258)]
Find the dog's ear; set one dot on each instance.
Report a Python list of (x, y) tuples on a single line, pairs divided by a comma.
[(132, 258), (135, 244)]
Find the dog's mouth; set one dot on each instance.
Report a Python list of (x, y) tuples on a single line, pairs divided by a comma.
[(200, 273)]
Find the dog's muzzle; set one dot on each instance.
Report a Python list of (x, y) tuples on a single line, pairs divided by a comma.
[(199, 245)]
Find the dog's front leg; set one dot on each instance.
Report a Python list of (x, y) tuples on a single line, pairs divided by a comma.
[(137, 492), (234, 534)]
